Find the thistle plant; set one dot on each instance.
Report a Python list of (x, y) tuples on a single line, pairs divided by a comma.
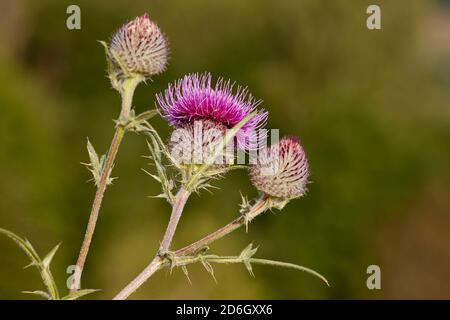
[(212, 123), (136, 51)]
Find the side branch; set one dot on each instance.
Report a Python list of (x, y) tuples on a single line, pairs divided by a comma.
[(157, 263)]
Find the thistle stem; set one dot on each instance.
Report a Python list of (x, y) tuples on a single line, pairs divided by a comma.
[(154, 266), (127, 98), (177, 210), (255, 210), (157, 262)]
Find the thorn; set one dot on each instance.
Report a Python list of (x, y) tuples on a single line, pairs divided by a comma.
[(186, 273)]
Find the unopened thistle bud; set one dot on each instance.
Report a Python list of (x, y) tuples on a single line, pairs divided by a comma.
[(139, 47), (282, 170)]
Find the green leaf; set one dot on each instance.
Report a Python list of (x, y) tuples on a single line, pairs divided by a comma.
[(79, 293), (39, 293), (31, 264), (155, 154), (93, 157), (25, 245), (112, 74), (186, 273), (48, 258), (44, 269), (249, 268), (209, 268), (146, 115), (95, 165), (246, 257), (289, 265), (248, 252), (108, 60), (137, 123)]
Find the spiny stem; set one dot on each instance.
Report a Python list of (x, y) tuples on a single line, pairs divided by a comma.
[(127, 98), (157, 262)]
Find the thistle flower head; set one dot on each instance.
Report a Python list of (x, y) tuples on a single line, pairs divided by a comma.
[(139, 47), (194, 97), (282, 170)]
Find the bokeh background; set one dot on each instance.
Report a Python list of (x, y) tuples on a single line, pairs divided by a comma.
[(371, 108)]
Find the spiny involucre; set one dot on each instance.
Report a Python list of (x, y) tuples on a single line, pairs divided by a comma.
[(193, 143), (282, 170), (194, 98), (139, 47)]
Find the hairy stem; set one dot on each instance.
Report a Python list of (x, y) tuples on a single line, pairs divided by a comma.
[(127, 98), (154, 266), (157, 262), (177, 210)]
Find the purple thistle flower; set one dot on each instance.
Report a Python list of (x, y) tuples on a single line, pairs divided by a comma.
[(140, 46), (193, 97), (282, 170)]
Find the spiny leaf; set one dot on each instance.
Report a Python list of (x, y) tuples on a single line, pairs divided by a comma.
[(112, 74), (146, 115), (186, 273), (39, 293), (248, 252), (48, 258), (209, 268), (108, 60), (246, 257), (31, 264), (25, 245), (248, 265), (95, 165), (289, 265), (152, 175), (137, 123), (79, 293), (93, 157), (102, 161), (245, 207), (44, 270), (159, 196), (166, 183)]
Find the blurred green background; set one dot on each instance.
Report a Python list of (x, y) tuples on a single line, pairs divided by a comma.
[(371, 108)]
